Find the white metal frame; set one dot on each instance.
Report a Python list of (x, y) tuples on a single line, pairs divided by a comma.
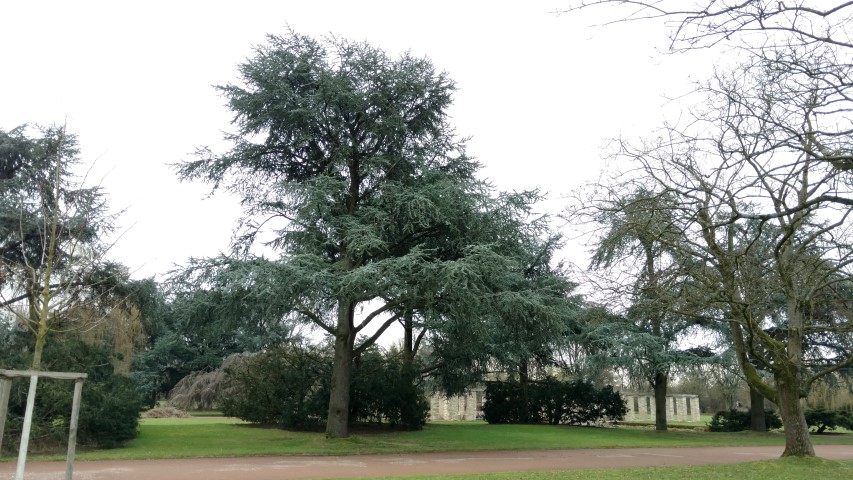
[(6, 377)]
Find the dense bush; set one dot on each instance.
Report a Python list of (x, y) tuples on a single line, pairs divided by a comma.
[(109, 412), (737, 421), (822, 419), (385, 390), (289, 387), (553, 402)]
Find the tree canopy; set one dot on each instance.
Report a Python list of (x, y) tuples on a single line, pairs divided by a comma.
[(52, 267), (347, 167), (762, 226)]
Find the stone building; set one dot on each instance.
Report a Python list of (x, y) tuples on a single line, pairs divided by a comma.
[(641, 406), (679, 407), (468, 406)]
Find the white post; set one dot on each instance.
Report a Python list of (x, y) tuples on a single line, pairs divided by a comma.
[(5, 389), (25, 435), (72, 433)]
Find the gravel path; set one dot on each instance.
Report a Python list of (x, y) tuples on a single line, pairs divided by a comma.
[(268, 468)]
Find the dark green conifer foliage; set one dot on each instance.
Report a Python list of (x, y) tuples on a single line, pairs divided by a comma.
[(346, 164)]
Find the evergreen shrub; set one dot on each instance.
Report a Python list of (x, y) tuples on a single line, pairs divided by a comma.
[(552, 401), (822, 419), (109, 411), (289, 387), (738, 421)]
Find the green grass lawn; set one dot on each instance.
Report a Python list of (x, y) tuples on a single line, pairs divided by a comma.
[(221, 436), (782, 469), (704, 419)]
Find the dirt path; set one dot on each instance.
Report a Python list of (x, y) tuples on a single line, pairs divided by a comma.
[(268, 468)]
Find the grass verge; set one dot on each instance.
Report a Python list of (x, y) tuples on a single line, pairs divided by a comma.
[(782, 469), (220, 437)]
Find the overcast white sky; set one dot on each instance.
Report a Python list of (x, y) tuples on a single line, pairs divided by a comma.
[(538, 93)]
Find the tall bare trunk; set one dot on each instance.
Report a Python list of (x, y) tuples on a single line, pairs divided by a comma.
[(524, 381), (337, 423), (408, 339), (660, 401), (756, 411), (38, 320), (45, 295), (787, 373)]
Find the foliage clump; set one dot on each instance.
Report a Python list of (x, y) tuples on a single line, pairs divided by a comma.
[(822, 419), (289, 387), (109, 412), (553, 402), (738, 421)]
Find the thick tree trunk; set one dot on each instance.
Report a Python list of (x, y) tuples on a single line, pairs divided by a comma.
[(337, 423), (787, 376), (797, 440), (660, 401), (756, 411)]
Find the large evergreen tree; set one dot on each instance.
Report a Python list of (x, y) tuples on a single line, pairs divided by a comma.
[(345, 162)]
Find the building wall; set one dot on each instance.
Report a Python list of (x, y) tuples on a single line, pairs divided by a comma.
[(465, 407), (679, 407), (641, 407)]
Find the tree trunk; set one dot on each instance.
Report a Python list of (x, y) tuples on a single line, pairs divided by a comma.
[(756, 411), (660, 401), (408, 339), (797, 440), (523, 380), (38, 318), (337, 423)]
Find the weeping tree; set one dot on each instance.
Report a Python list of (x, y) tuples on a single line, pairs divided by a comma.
[(347, 167)]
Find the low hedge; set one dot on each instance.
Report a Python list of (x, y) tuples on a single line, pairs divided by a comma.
[(822, 419), (738, 421), (553, 402)]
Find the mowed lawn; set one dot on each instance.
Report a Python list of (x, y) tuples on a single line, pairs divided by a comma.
[(782, 469), (219, 437)]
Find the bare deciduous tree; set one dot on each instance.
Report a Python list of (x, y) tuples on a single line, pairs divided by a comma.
[(705, 23), (762, 211)]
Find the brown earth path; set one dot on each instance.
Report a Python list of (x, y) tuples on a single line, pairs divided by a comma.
[(268, 468)]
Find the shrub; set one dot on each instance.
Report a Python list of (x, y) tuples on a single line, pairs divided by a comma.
[(285, 387), (385, 389), (737, 421), (552, 401), (109, 414), (109, 411), (289, 387), (822, 419)]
